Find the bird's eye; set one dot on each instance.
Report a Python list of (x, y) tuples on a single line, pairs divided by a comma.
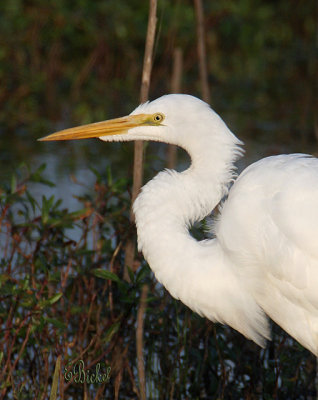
[(158, 117)]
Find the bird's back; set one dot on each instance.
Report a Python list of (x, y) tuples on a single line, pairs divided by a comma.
[(269, 229)]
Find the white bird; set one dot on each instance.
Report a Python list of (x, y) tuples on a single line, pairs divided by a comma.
[(263, 258)]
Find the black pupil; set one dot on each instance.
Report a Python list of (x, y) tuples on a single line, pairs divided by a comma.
[(157, 117)]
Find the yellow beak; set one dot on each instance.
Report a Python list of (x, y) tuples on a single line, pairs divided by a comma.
[(115, 126)]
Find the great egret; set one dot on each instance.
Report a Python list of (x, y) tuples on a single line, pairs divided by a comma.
[(263, 258)]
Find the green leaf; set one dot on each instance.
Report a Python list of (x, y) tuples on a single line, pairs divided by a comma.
[(31, 200), (111, 331), (4, 278), (46, 207), (109, 176), (55, 382), (79, 213), (13, 184), (142, 273), (55, 298), (104, 274), (37, 176), (97, 174), (85, 252), (55, 322), (131, 274), (26, 283)]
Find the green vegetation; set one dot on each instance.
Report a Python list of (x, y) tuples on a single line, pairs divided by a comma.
[(60, 296), (81, 60)]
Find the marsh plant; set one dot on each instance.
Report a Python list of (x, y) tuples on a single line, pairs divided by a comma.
[(63, 293)]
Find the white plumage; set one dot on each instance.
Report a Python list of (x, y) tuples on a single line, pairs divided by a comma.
[(263, 258)]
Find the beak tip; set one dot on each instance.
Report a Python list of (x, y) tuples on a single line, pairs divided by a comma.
[(43, 139)]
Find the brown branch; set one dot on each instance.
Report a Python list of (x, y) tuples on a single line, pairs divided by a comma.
[(138, 175), (138, 154), (139, 341), (175, 88), (203, 71), (110, 286), (221, 360), (137, 182), (144, 94), (8, 365), (176, 70)]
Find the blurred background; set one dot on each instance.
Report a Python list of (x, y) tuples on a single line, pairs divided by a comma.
[(66, 63)]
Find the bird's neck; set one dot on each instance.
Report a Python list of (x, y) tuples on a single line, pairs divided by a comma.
[(198, 273), (170, 203)]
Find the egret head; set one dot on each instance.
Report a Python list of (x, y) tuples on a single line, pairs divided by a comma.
[(178, 119)]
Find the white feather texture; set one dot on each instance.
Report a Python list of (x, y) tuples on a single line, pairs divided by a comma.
[(264, 257)]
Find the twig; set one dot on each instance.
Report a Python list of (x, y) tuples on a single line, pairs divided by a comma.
[(202, 51), (139, 341), (144, 93), (176, 71), (138, 153), (111, 269), (175, 88), (138, 174), (221, 360)]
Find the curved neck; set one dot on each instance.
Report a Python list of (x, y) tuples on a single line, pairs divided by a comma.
[(198, 273), (170, 203)]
